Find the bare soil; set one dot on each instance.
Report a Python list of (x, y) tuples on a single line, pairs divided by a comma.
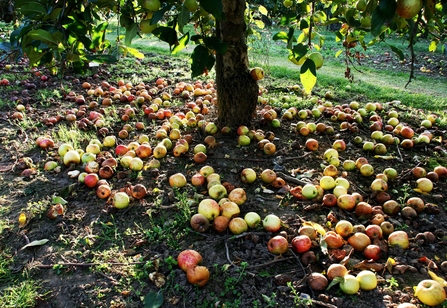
[(99, 256)]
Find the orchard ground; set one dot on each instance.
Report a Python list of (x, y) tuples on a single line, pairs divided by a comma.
[(98, 256)]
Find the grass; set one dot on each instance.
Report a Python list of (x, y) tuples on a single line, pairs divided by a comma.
[(373, 82)]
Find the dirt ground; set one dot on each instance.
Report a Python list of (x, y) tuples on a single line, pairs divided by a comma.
[(98, 256)]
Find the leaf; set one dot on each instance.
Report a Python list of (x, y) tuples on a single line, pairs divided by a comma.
[(22, 220), (323, 246), (43, 36), (153, 300), (436, 278), (308, 75), (432, 46), (264, 274), (214, 7), (131, 32), (57, 199), (68, 190), (33, 8), (35, 243), (316, 226), (135, 52), (182, 42), (338, 53), (334, 282), (281, 36), (398, 52), (167, 35), (200, 57), (389, 265), (183, 18)]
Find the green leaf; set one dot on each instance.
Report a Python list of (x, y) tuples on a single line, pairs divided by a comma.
[(182, 42), (35, 243), (308, 75), (99, 34), (159, 15), (200, 57), (131, 32), (398, 52), (214, 7), (99, 59), (214, 43), (334, 282), (281, 36), (153, 300), (166, 34), (33, 8), (57, 199), (287, 19), (300, 50), (382, 15), (43, 36), (304, 24), (183, 18)]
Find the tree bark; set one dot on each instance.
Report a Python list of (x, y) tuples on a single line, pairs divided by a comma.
[(237, 90)]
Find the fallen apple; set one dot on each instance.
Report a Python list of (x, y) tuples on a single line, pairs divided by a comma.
[(237, 225), (349, 284), (177, 180), (301, 243), (188, 258), (121, 200), (198, 275), (344, 228), (271, 223), (199, 223), (278, 245), (367, 280), (209, 208), (252, 219), (399, 238), (430, 292)]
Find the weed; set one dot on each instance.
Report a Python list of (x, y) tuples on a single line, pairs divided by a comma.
[(405, 190), (22, 294), (392, 283), (270, 300), (47, 97), (299, 299)]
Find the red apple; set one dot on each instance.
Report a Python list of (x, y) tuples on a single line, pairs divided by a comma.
[(301, 243), (333, 239), (278, 245), (237, 225), (238, 196), (177, 180), (374, 231), (311, 144), (372, 252), (188, 258)]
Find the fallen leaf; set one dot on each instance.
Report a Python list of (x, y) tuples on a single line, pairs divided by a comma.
[(364, 265), (389, 264), (35, 243), (437, 278), (22, 220)]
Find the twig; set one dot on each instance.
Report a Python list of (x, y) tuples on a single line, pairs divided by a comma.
[(113, 280), (47, 266), (413, 56), (270, 262), (290, 179)]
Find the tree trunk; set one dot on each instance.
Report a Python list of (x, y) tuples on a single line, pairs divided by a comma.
[(237, 90)]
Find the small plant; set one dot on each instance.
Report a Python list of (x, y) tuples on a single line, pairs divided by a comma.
[(392, 283), (405, 190), (299, 299)]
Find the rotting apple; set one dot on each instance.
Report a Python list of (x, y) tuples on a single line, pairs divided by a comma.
[(217, 191), (336, 270), (333, 239), (278, 245), (220, 223), (198, 275), (229, 209), (387, 228), (199, 223), (317, 281)]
